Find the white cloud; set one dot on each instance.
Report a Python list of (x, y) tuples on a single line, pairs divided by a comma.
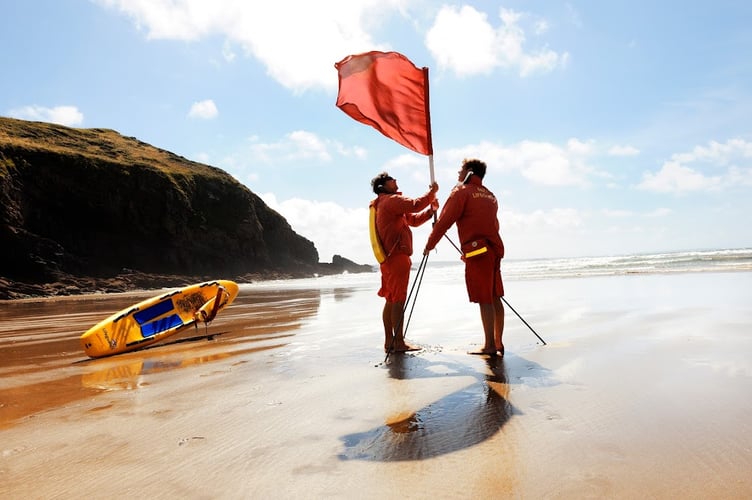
[(557, 218), (574, 16), (541, 27), (623, 151), (354, 151), (539, 162), (202, 157), (542, 233), (464, 41), (718, 153), (740, 176), (618, 213), (297, 41), (228, 54), (297, 145), (63, 115), (705, 168), (179, 19), (309, 145), (409, 164), (674, 177), (333, 228), (205, 110), (658, 212)]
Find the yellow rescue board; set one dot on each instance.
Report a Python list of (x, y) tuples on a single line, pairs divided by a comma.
[(157, 318)]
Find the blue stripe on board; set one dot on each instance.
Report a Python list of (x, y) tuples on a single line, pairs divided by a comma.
[(161, 325), (152, 312)]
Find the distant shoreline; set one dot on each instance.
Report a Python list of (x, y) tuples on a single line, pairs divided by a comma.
[(722, 260), (134, 281)]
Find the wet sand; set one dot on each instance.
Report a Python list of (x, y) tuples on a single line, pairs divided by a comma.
[(643, 391)]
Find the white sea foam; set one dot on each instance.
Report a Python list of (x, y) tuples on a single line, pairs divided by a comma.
[(573, 267), (674, 262)]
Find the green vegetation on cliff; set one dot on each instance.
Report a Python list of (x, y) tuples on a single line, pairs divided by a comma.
[(93, 205)]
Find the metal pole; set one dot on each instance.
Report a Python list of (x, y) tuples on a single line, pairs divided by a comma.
[(523, 320), (418, 277), (505, 300)]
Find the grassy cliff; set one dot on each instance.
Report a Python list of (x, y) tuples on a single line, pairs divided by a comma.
[(83, 210)]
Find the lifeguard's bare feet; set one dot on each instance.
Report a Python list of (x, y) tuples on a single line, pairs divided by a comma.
[(483, 352), (404, 347)]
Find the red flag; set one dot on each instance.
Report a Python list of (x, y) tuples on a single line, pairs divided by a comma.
[(388, 92)]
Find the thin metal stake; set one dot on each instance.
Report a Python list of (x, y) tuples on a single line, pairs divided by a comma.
[(505, 300), (523, 320), (418, 278)]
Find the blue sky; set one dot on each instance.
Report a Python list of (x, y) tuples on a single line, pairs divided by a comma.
[(609, 127)]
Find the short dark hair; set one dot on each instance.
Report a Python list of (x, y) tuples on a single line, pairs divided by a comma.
[(377, 183), (476, 166)]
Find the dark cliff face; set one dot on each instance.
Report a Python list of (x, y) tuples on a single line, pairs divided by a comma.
[(91, 202)]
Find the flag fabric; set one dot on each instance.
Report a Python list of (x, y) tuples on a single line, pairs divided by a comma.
[(388, 92)]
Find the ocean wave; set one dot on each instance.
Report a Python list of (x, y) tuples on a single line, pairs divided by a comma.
[(654, 263), (555, 268)]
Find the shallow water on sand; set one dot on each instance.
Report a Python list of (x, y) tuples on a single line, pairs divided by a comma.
[(642, 390), (44, 367)]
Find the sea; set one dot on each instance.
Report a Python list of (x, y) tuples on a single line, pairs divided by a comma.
[(694, 261), (648, 263)]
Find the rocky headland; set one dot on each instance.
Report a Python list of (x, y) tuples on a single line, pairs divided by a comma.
[(90, 210)]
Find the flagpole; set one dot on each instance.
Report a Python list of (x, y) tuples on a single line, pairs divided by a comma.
[(429, 139), (430, 167)]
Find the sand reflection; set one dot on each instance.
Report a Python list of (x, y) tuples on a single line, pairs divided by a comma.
[(459, 420), (131, 374), (43, 367)]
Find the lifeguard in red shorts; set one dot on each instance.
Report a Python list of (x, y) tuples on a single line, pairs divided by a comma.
[(394, 216), (474, 208)]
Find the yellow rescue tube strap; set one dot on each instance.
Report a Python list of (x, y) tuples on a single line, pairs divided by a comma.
[(473, 248), (476, 252), (378, 250)]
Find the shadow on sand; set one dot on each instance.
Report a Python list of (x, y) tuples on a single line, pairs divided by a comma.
[(457, 421)]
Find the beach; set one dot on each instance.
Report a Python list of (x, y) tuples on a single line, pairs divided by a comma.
[(641, 391)]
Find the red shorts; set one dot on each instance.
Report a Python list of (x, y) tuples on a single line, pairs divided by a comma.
[(395, 276), (483, 278)]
